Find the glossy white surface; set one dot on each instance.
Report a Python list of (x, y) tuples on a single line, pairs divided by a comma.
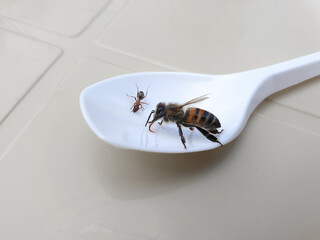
[(231, 97), (59, 181)]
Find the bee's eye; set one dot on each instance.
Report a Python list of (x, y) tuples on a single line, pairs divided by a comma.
[(159, 110)]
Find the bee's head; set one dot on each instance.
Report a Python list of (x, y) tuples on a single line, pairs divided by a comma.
[(158, 113)]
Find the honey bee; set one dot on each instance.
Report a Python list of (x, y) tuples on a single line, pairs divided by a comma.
[(138, 104), (204, 121)]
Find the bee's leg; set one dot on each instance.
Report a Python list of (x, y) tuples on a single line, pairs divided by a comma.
[(215, 131), (183, 140), (191, 127), (160, 123), (209, 136), (220, 131)]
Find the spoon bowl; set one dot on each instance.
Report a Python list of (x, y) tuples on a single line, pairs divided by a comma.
[(232, 98)]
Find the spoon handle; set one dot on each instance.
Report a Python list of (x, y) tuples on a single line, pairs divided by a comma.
[(283, 75), (267, 80)]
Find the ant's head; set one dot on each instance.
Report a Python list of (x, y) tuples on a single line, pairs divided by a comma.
[(140, 95)]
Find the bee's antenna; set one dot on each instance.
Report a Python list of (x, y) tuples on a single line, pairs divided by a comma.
[(149, 117)]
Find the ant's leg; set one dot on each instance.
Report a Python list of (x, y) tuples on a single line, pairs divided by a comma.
[(144, 103), (132, 97), (147, 91), (209, 136), (183, 140)]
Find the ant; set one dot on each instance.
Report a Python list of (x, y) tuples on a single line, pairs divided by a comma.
[(138, 104)]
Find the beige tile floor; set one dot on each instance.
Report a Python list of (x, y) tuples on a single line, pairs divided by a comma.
[(59, 181)]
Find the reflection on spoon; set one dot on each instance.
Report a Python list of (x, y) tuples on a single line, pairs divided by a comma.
[(234, 97)]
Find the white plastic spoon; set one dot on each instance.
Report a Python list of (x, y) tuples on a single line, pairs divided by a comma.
[(233, 97)]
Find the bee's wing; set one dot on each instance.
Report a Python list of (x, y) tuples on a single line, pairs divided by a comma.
[(195, 100)]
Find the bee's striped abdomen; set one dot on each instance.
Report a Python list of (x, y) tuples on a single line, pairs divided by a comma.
[(201, 118)]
